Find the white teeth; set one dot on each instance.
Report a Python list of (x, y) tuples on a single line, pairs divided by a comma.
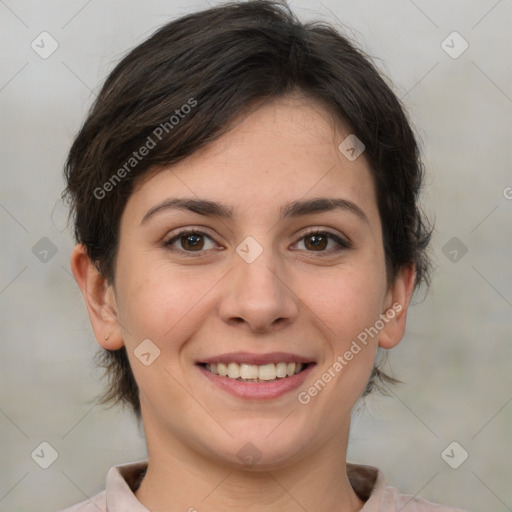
[(233, 371), (248, 371), (222, 369), (267, 372), (281, 369), (252, 372)]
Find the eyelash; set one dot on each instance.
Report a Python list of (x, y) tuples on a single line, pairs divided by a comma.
[(342, 244)]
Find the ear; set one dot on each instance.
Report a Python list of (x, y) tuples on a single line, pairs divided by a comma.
[(397, 303), (100, 299)]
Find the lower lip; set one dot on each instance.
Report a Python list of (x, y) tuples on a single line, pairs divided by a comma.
[(258, 390)]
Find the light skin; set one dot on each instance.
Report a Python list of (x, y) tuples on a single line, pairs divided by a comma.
[(297, 296)]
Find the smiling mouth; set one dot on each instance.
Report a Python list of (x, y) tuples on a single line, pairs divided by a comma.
[(255, 373)]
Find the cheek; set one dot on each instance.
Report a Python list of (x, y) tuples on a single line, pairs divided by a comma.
[(346, 300), (158, 301), (349, 305)]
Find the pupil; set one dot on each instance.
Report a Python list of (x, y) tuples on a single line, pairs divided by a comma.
[(318, 241), (193, 241)]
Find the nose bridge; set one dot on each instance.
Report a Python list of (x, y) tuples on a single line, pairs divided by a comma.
[(255, 272), (258, 293)]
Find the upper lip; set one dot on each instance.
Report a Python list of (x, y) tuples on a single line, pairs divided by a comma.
[(256, 359)]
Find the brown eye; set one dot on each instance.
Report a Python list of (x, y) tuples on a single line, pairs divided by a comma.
[(192, 242), (316, 242), (323, 242)]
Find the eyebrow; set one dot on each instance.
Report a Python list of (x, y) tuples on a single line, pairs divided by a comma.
[(289, 210)]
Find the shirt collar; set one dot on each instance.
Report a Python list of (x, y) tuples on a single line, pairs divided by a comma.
[(367, 481), (120, 482)]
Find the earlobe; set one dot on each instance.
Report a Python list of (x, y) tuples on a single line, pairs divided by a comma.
[(397, 304), (99, 298)]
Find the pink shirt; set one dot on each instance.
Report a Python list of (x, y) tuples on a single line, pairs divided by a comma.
[(368, 483)]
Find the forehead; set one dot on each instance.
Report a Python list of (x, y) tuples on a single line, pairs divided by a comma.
[(276, 153)]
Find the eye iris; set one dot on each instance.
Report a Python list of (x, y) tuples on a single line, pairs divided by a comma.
[(319, 241), (192, 241)]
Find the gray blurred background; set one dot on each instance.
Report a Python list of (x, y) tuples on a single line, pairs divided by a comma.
[(456, 357)]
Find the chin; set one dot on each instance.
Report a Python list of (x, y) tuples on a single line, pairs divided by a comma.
[(263, 451)]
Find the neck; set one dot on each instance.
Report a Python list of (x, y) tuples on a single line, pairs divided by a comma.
[(180, 479)]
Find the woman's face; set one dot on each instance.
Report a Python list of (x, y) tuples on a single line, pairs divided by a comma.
[(266, 279)]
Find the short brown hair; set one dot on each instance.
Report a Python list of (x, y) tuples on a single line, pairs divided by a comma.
[(205, 69)]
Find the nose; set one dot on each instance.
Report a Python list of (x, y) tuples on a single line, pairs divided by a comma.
[(258, 295)]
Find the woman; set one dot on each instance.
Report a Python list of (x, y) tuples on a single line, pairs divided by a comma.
[(244, 193)]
